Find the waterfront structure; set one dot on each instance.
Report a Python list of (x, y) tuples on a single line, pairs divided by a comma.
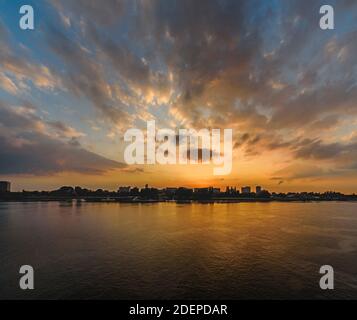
[(5, 186), (246, 190), (124, 189)]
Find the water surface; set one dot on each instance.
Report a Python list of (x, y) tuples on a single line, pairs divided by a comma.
[(167, 250)]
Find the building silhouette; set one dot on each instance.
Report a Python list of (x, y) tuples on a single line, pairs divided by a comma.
[(124, 189), (246, 190), (5, 186)]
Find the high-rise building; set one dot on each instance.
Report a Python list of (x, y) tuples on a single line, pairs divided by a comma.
[(5, 186), (216, 190), (124, 189), (246, 189), (258, 189)]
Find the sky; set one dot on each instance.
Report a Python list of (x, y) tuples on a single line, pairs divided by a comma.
[(90, 70)]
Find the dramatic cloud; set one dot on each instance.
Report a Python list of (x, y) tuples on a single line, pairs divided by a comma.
[(85, 77), (262, 68), (302, 171), (17, 70), (26, 147), (214, 63)]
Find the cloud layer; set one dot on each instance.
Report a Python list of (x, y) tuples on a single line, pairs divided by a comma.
[(29, 145), (263, 68)]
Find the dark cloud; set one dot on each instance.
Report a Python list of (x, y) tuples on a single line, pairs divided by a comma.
[(326, 123), (27, 148), (320, 151), (340, 158), (298, 171), (258, 143), (43, 155)]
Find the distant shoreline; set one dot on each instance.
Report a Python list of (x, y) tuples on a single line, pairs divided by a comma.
[(178, 195), (146, 201)]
